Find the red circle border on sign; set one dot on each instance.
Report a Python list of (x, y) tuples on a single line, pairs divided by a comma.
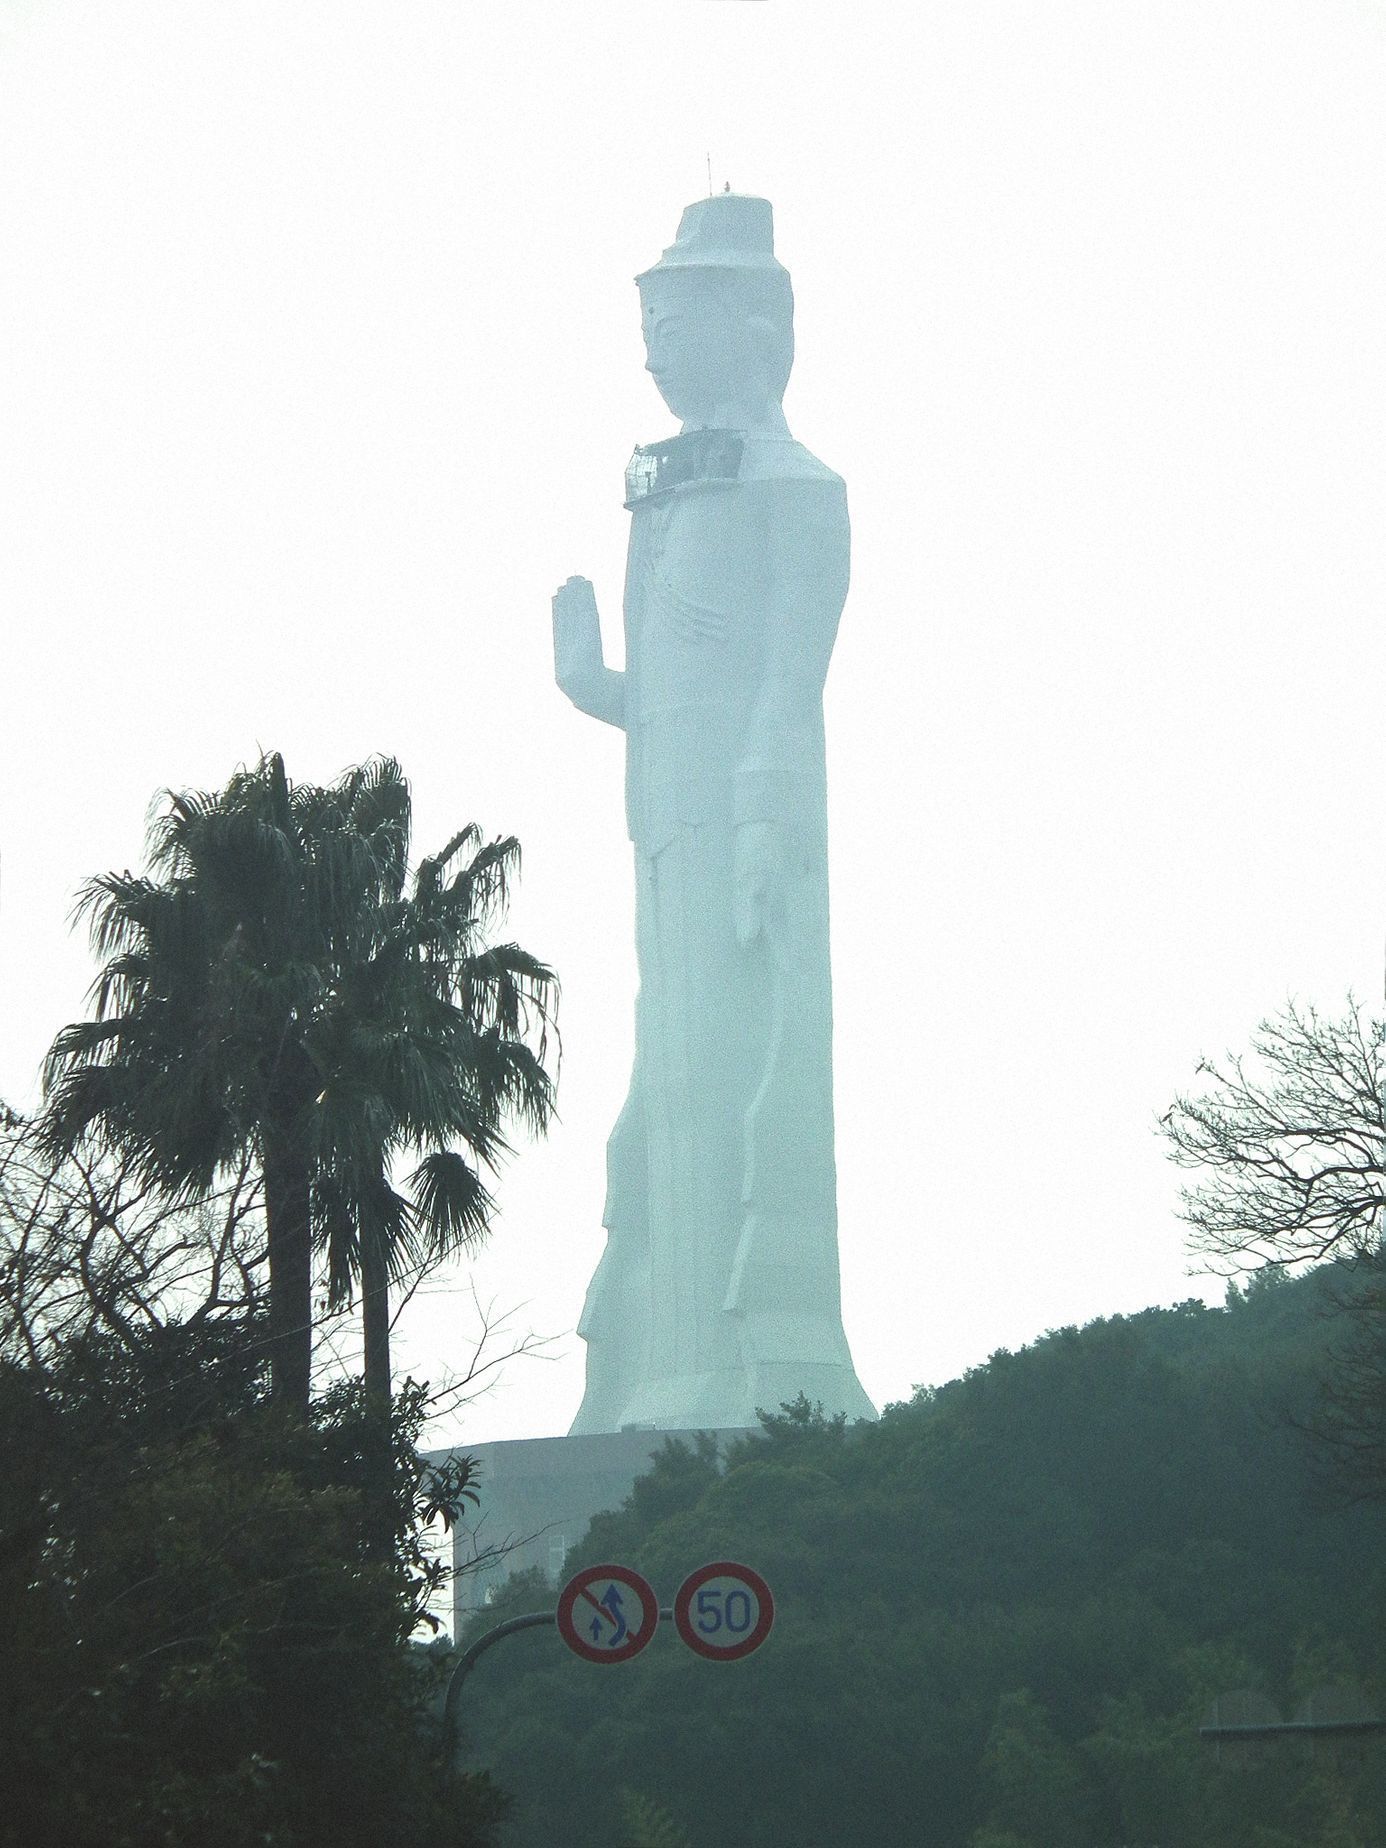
[(723, 1568), (573, 1590)]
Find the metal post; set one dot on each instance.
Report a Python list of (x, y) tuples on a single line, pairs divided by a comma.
[(1289, 1729), (530, 1621)]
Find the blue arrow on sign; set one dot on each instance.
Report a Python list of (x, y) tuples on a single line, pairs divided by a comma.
[(610, 1608), (611, 1603)]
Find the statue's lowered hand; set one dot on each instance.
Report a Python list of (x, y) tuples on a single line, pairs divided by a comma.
[(758, 879)]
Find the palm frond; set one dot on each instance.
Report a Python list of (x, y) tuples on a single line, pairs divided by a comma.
[(386, 1219), (452, 1204), (432, 869), (336, 1233), (378, 807)]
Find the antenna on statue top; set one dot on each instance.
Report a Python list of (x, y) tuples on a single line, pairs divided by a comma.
[(709, 176)]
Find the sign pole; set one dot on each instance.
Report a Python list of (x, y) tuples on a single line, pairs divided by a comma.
[(529, 1621), (512, 1626)]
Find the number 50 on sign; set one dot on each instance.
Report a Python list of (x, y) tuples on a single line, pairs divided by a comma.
[(724, 1610)]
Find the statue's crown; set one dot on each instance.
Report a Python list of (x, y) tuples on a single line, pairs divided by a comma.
[(728, 231)]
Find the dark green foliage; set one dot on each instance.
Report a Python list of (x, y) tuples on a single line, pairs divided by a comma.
[(197, 1647), (1348, 1422), (649, 1826), (1003, 1613)]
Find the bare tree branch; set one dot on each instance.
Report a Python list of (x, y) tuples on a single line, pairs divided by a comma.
[(84, 1248), (1290, 1143)]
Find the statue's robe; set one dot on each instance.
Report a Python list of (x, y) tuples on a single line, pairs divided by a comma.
[(718, 1290)]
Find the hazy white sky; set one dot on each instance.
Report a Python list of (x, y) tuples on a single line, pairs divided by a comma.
[(320, 367)]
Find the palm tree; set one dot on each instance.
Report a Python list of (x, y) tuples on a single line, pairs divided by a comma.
[(277, 986)]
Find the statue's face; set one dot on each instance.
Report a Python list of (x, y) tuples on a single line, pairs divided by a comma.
[(698, 351)]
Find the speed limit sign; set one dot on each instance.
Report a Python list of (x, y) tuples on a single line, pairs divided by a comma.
[(723, 1611)]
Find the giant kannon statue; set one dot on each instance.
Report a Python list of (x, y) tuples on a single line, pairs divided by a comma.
[(718, 1289)]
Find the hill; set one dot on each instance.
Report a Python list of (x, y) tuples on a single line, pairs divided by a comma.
[(1002, 1613)]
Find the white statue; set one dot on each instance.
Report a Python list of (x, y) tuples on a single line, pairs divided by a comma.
[(718, 1290)]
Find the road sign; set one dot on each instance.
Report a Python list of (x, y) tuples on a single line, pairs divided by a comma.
[(724, 1611), (607, 1613)]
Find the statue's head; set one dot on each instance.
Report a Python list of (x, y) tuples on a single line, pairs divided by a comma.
[(718, 315)]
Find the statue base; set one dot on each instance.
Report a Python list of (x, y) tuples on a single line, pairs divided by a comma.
[(538, 1495), (733, 1398)]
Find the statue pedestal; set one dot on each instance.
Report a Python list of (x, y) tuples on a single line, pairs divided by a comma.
[(537, 1496)]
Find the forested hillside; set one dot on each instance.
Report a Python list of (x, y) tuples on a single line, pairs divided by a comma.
[(1002, 1614)]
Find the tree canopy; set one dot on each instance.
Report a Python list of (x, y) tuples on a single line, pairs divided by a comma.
[(200, 1644), (1288, 1142), (277, 988), (1002, 1613)]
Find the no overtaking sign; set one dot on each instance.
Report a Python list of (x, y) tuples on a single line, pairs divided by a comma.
[(607, 1613)]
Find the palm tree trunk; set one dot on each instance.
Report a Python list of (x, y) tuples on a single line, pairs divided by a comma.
[(289, 1226), (375, 1320), (375, 1330)]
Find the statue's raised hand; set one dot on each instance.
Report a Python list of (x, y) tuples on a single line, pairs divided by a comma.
[(577, 629), (578, 666)]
